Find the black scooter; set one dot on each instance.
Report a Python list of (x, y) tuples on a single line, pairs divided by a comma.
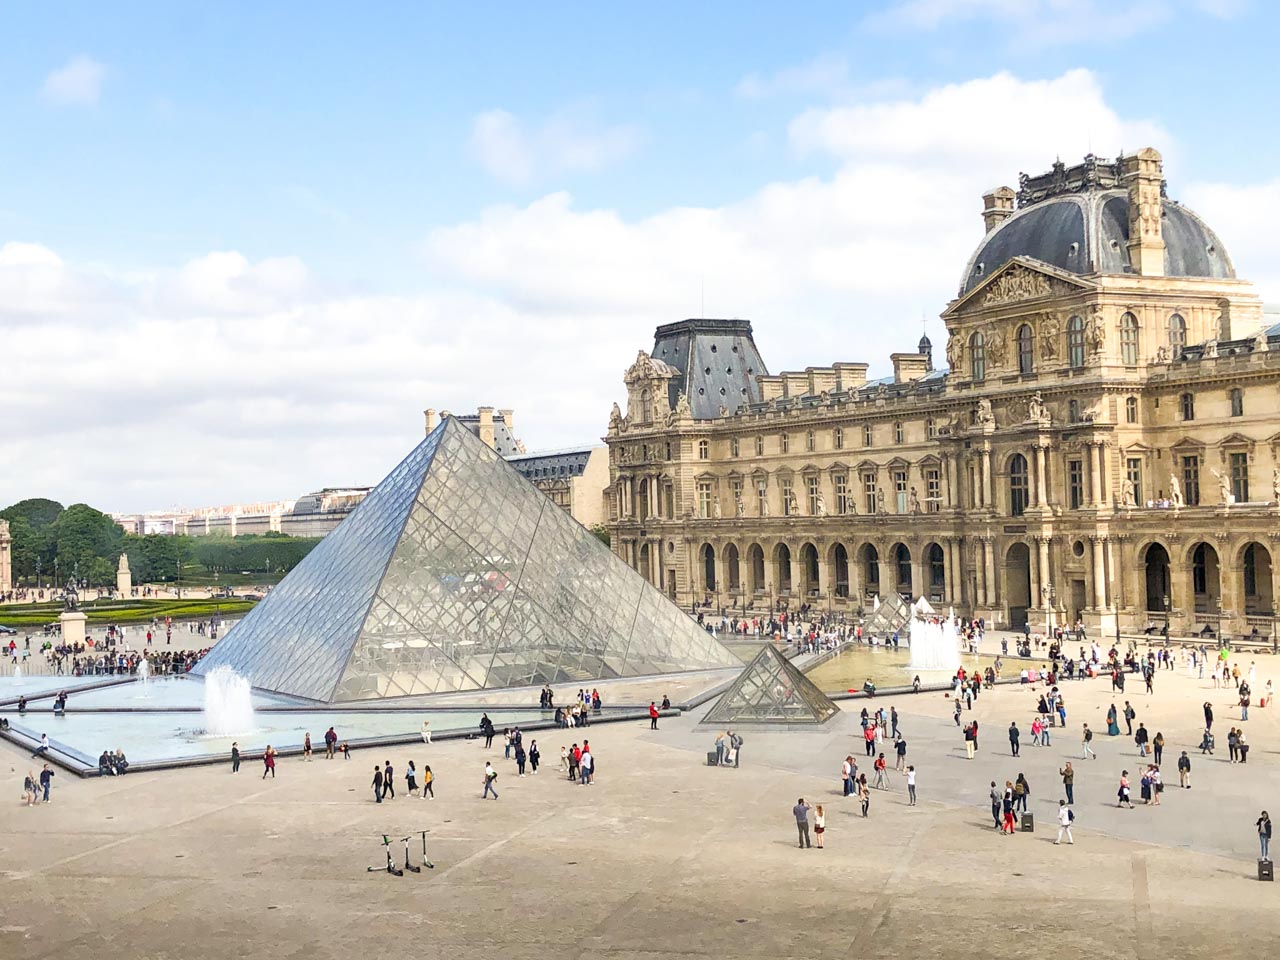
[(391, 864)]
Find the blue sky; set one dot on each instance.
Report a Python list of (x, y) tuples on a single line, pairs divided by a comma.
[(290, 227)]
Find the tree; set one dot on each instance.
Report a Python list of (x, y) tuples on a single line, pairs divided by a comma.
[(81, 535), (30, 525), (601, 533)]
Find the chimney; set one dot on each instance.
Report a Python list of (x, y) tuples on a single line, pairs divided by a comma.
[(908, 366), (486, 426), (997, 207), (1143, 175), (430, 415)]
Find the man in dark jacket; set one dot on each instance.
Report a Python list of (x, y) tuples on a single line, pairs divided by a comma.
[(377, 783)]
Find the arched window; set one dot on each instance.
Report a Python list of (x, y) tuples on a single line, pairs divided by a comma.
[(1177, 335), (1075, 342), (978, 357), (646, 407), (1187, 404), (704, 449), (1129, 340), (1236, 396), (1019, 488), (1131, 410), (1026, 349)]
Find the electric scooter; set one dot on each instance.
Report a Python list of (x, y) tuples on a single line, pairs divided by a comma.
[(425, 862), (407, 865), (391, 865)]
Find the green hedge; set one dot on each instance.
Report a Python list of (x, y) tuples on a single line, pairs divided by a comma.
[(125, 611)]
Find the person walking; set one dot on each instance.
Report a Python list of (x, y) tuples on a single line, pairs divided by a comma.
[(911, 786), (486, 730), (1006, 806), (388, 783), (411, 780), (995, 804), (1184, 771), (1141, 737), (269, 762), (900, 749), (306, 747), (1123, 796), (1242, 746), (1208, 715), (31, 789), (1065, 818), (968, 742), (864, 794), (1129, 715), (428, 782), (521, 757), (534, 755), (1068, 782), (378, 781), (801, 812), (1086, 739), (490, 781), (1021, 793), (1264, 836), (1013, 738), (881, 768), (1233, 744), (819, 824), (1158, 746), (893, 721), (46, 783), (869, 736), (330, 741), (1244, 704), (235, 757), (653, 720)]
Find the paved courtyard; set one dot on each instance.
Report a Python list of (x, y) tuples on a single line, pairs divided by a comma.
[(663, 856)]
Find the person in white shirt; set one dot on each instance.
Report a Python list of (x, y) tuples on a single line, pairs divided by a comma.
[(1065, 818), (426, 731), (911, 786)]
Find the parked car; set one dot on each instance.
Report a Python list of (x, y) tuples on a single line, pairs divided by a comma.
[(250, 596), (7, 631)]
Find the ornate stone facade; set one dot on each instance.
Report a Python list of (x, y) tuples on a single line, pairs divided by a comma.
[(1105, 445)]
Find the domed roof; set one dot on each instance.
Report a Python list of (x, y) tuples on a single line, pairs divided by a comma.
[(1088, 232)]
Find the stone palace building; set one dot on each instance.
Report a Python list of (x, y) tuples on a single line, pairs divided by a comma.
[(1103, 443)]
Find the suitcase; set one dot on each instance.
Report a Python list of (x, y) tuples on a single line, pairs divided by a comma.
[(1028, 822), (1265, 870), (711, 759)]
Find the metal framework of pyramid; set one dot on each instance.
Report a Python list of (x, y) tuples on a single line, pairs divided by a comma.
[(455, 573), (892, 615), (772, 690)]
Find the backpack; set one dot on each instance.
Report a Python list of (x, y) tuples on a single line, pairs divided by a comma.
[(1088, 735), (1071, 815)]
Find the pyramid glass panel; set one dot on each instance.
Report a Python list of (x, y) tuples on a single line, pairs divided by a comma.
[(772, 690), (888, 618), (456, 573)]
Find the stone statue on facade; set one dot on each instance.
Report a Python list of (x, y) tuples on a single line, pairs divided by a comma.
[(1049, 334), (1130, 493), (764, 506), (985, 415), (715, 509), (1275, 484), (615, 418), (820, 506), (1162, 354), (880, 500), (913, 501), (955, 353), (793, 507), (1224, 487), (1096, 333), (1175, 491), (1036, 409), (995, 347), (739, 508)]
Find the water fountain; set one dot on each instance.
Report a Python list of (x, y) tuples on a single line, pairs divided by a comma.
[(935, 646), (228, 703), (17, 675), (144, 674)]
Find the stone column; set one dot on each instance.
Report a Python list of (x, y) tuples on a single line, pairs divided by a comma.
[(987, 499), (824, 589), (6, 558), (1046, 575), (1099, 575), (1033, 561), (1042, 487), (1119, 595), (989, 566), (1095, 473)]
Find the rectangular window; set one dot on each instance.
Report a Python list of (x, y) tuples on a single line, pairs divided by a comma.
[(787, 494), (842, 493), (1075, 483), (933, 490), (1191, 481), (762, 498), (759, 446), (811, 483), (735, 488), (971, 486), (866, 436), (900, 489), (837, 438), (1133, 473), (704, 499), (1240, 477), (897, 433), (869, 491), (1237, 402), (786, 443)]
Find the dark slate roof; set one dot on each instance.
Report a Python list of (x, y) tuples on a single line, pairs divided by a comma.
[(718, 363), (1088, 232), (551, 463), (504, 441)]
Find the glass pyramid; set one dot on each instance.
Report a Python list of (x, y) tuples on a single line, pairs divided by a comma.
[(456, 573), (772, 690), (890, 617)]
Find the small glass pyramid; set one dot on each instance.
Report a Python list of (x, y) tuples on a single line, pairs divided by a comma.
[(772, 690), (456, 573), (890, 617)]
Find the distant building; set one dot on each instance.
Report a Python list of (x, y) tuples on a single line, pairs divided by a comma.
[(498, 430), (574, 479), (318, 513)]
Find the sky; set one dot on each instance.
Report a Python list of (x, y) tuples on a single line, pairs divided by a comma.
[(243, 246)]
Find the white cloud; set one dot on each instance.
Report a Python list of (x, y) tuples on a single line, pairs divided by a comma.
[(568, 141), (80, 81), (1244, 217)]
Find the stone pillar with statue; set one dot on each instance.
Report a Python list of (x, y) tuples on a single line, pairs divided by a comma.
[(72, 620), (124, 578), (6, 558)]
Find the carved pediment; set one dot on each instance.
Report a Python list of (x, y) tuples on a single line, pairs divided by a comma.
[(1022, 279)]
